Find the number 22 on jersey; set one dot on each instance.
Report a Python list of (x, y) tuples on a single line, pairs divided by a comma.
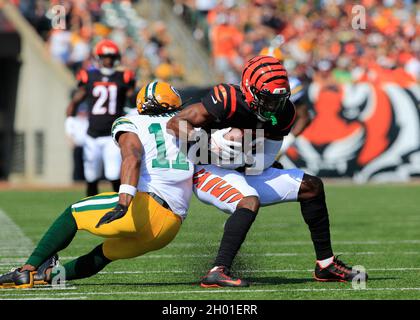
[(161, 160)]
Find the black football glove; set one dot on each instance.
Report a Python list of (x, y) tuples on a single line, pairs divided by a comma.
[(118, 212)]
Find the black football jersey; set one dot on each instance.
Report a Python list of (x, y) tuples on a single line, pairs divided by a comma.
[(106, 98), (228, 106)]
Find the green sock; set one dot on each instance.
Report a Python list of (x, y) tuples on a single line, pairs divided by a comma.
[(58, 237), (84, 266)]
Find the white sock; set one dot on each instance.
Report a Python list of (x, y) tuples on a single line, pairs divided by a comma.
[(324, 263)]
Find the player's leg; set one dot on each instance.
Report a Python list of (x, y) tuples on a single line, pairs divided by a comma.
[(154, 227), (81, 215), (315, 213), (92, 164), (112, 162), (277, 186), (57, 237), (228, 191)]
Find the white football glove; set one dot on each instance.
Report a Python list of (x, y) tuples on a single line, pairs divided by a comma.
[(226, 149), (69, 126), (288, 141), (76, 129)]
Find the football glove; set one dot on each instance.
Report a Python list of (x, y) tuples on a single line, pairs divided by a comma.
[(117, 213), (226, 149), (288, 141), (69, 126)]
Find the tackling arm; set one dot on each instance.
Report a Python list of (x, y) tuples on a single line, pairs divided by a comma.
[(130, 167), (195, 116), (131, 150)]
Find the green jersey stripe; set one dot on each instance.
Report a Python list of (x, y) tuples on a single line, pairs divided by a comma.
[(97, 207), (96, 199), (121, 121)]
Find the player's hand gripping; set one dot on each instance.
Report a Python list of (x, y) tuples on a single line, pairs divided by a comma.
[(117, 213), (226, 149)]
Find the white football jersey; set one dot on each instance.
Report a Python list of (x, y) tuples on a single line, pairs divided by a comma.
[(164, 168)]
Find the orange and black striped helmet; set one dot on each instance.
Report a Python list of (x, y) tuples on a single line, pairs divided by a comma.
[(265, 85), (158, 97), (106, 47)]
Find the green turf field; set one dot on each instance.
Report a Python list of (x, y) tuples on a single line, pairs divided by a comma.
[(377, 227)]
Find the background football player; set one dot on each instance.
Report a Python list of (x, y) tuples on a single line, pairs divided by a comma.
[(106, 90), (298, 96), (261, 102), (147, 212)]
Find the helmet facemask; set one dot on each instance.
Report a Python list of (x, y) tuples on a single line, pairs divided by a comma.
[(152, 106), (108, 62), (267, 105)]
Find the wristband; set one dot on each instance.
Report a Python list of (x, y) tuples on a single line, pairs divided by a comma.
[(126, 188)]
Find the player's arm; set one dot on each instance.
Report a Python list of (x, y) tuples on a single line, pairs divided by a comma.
[(303, 119), (78, 97), (131, 151), (194, 116), (215, 106)]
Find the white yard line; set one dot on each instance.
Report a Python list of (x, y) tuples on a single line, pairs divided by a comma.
[(249, 271), (12, 239), (296, 243), (204, 291), (10, 261)]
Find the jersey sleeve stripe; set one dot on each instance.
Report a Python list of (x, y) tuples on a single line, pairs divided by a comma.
[(232, 102), (121, 121), (83, 76), (128, 75), (216, 93), (224, 94)]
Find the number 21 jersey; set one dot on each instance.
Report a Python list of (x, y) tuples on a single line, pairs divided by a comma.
[(106, 97)]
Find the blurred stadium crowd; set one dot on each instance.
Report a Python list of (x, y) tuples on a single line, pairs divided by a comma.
[(144, 45), (316, 37)]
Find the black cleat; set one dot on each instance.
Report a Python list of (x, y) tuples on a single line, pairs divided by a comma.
[(219, 277), (40, 275), (337, 270), (15, 279)]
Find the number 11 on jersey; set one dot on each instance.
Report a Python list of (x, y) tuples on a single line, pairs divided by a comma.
[(161, 160)]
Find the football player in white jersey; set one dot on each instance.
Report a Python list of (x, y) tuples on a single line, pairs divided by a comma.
[(145, 215)]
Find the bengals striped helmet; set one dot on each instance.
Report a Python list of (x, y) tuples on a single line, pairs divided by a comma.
[(265, 86), (158, 97), (107, 49)]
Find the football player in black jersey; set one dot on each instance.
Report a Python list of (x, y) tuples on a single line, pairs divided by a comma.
[(106, 90), (260, 102)]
